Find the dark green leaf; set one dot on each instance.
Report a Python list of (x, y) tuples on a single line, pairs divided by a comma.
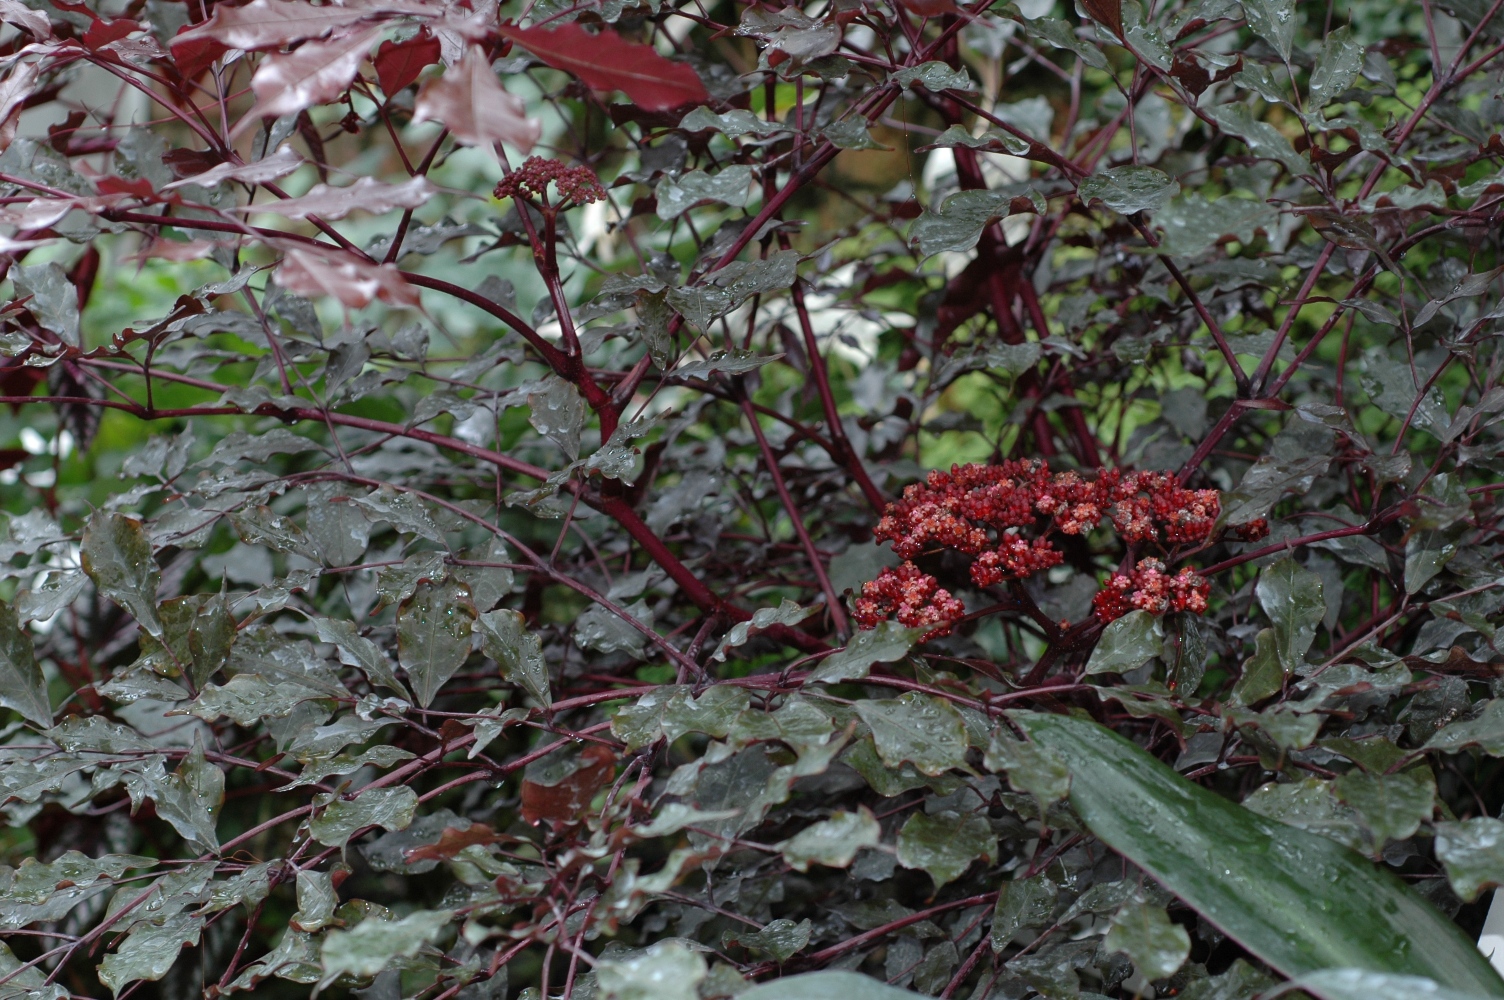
[(1274, 21), (1030, 767), (341, 818), (117, 556), (433, 636), (1291, 596), (781, 939), (517, 651), (1131, 189), (1297, 901), (916, 727), (1022, 903), (832, 842), (888, 642), (1126, 643), (375, 943), (1157, 947), (945, 844), (22, 686), (1473, 852)]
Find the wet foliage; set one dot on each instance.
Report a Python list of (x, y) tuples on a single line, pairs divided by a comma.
[(621, 501)]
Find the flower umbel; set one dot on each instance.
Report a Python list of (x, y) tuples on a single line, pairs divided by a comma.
[(984, 510), (575, 185)]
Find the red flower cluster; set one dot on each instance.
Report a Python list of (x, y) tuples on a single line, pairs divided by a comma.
[(978, 510), (576, 185), (1149, 587), (917, 597)]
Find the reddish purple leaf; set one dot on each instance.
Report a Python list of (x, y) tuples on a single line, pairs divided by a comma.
[(1108, 13), (316, 273), (16, 86), (366, 194), (399, 63), (606, 61), (281, 163), (193, 57), (316, 73), (102, 32), (470, 102), (33, 21), (263, 24)]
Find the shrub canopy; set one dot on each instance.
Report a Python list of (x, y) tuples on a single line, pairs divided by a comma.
[(614, 500)]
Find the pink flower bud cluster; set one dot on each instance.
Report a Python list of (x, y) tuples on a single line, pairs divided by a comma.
[(1149, 587), (981, 510), (576, 185)]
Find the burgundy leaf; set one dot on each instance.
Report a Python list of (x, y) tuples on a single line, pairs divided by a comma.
[(193, 57), (263, 24), (102, 32), (399, 63), (281, 163), (316, 273), (15, 88), (175, 250), (929, 8), (317, 72), (33, 21), (606, 61), (366, 194), (470, 102), (1108, 13), (564, 802), (137, 187)]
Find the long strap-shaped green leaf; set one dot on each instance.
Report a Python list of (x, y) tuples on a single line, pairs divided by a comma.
[(1298, 901)]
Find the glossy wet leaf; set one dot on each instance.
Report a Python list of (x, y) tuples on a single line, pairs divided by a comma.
[(1263, 672), (605, 631), (1022, 903), (729, 186), (1485, 731), (1295, 900), (1263, 139), (518, 652), (918, 728), (1273, 21), (341, 818), (780, 939), (375, 943), (957, 223), (1291, 596), (832, 842), (118, 558), (22, 686), (558, 413), (316, 897), (1030, 767), (828, 985), (1359, 984), (1126, 643), (1157, 947), (1392, 806), (433, 636), (358, 651), (1130, 189), (888, 642), (945, 844), (664, 971), (149, 950), (1473, 852), (1336, 67)]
